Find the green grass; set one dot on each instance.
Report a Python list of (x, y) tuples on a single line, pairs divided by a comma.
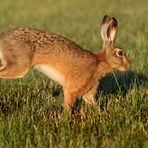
[(31, 109)]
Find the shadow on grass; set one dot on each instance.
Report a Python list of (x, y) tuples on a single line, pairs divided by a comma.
[(110, 84), (121, 82), (114, 84)]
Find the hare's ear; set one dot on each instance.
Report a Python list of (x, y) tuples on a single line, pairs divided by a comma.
[(105, 21), (110, 32)]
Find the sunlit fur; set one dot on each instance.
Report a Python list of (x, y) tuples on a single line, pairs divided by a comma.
[(76, 69)]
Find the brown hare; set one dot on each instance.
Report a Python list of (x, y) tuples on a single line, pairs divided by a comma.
[(76, 69)]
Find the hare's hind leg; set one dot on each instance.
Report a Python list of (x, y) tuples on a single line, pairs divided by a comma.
[(13, 67), (13, 72)]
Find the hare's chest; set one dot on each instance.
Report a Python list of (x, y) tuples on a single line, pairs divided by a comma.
[(51, 73)]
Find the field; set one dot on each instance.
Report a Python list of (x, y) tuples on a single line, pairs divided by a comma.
[(31, 109)]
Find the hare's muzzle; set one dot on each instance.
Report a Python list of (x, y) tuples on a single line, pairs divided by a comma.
[(126, 64)]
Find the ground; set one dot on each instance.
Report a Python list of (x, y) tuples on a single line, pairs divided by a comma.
[(31, 109)]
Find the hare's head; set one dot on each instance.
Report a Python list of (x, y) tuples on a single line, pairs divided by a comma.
[(114, 56)]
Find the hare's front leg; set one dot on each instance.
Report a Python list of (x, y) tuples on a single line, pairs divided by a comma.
[(72, 91), (76, 88), (89, 97), (69, 100)]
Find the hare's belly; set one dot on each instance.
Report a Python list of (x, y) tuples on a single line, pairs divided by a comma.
[(51, 73)]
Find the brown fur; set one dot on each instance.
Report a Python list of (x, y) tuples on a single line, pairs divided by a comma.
[(77, 70)]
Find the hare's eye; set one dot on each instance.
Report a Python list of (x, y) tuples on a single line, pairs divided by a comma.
[(120, 53)]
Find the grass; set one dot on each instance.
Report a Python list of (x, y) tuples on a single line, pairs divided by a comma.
[(31, 110)]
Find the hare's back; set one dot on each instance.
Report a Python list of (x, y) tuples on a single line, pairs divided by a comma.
[(49, 47)]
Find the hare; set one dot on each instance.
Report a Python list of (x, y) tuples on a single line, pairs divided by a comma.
[(76, 69)]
